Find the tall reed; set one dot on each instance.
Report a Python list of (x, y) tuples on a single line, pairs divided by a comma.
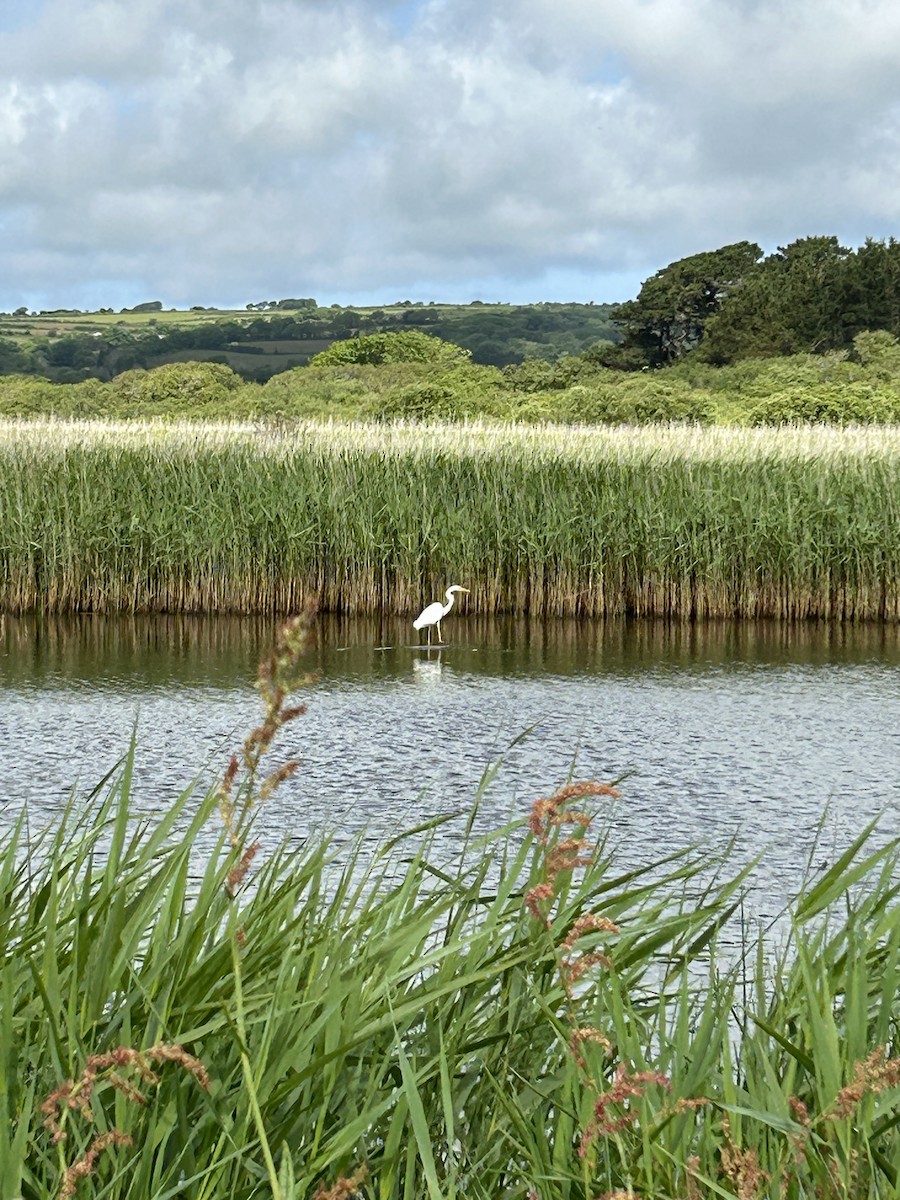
[(670, 521)]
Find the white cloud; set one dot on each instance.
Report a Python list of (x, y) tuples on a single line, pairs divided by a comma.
[(204, 151)]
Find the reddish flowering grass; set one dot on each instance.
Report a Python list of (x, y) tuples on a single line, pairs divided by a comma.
[(741, 1167), (547, 816), (278, 675), (625, 1087), (87, 1164), (345, 1187), (875, 1074), (75, 1095)]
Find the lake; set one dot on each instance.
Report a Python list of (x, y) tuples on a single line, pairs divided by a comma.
[(782, 739)]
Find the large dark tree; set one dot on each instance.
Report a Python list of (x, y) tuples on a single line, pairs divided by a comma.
[(670, 315), (799, 299)]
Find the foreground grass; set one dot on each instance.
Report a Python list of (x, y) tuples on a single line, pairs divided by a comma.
[(552, 520), (524, 1020)]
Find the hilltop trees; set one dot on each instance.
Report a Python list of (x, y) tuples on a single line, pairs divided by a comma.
[(811, 296), (800, 299), (670, 315)]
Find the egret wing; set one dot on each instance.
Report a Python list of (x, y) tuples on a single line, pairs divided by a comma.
[(429, 615)]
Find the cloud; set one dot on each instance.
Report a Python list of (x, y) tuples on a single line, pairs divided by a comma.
[(218, 151)]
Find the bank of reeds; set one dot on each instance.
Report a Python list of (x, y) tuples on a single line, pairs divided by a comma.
[(522, 1021), (672, 521)]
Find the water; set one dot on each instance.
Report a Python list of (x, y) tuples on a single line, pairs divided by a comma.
[(777, 738)]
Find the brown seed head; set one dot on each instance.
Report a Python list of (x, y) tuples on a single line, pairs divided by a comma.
[(573, 968), (587, 1033), (536, 897), (568, 856), (874, 1074), (589, 923), (799, 1110), (276, 778), (237, 873), (87, 1164), (625, 1086), (343, 1188)]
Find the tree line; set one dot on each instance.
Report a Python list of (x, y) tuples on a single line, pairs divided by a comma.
[(721, 306)]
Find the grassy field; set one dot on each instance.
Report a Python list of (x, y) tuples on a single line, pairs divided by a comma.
[(186, 1013), (664, 520)]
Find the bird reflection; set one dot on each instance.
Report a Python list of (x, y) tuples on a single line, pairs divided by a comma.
[(428, 669)]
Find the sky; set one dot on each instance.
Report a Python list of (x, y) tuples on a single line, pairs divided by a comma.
[(223, 152)]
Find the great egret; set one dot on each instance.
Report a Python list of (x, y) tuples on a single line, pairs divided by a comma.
[(433, 614)]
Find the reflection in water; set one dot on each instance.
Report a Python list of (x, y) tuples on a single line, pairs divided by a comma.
[(759, 732), (224, 651), (428, 670)]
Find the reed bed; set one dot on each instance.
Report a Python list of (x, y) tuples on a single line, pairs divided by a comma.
[(525, 1020), (672, 521)]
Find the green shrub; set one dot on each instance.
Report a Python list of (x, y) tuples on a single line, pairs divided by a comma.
[(879, 352), (403, 346), (32, 396), (175, 387), (857, 404), (635, 403)]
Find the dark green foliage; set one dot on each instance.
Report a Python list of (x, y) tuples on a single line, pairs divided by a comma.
[(502, 334), (795, 302), (811, 296), (12, 359), (670, 315), (149, 306)]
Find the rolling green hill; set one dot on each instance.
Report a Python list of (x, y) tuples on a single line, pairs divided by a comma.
[(274, 336)]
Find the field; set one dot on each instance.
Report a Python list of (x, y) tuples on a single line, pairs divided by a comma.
[(275, 356), (672, 521), (186, 1013), (68, 347)]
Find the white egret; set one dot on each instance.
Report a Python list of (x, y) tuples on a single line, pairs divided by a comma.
[(433, 614)]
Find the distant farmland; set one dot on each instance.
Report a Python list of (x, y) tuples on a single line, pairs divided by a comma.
[(67, 347), (278, 356)]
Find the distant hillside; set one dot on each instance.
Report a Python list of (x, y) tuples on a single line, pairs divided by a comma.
[(274, 336)]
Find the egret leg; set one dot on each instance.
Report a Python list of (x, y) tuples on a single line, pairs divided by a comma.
[(440, 635)]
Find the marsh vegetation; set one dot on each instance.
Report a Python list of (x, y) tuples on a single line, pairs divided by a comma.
[(551, 521)]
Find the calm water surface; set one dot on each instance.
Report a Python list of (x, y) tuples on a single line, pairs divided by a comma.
[(769, 735)]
